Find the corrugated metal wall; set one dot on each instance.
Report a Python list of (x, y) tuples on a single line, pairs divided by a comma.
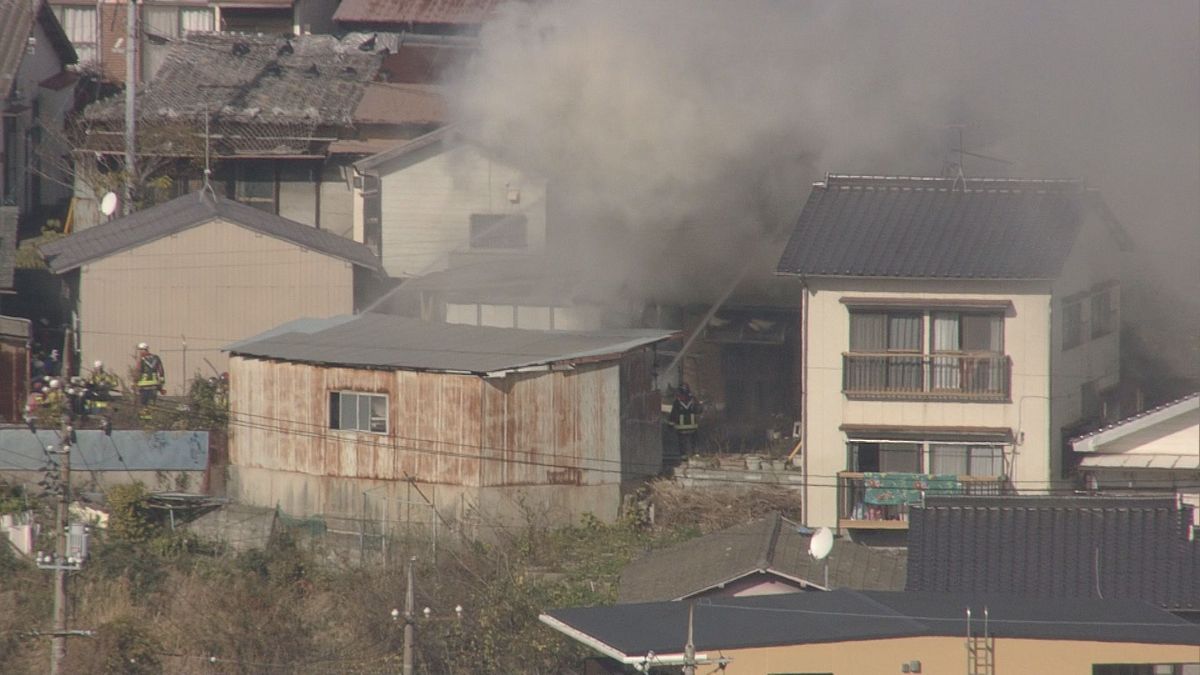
[(544, 428)]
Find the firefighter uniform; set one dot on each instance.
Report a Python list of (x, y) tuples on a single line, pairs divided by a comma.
[(685, 418), (152, 379)]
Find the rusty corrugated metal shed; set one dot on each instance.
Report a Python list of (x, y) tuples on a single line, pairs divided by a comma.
[(393, 342)]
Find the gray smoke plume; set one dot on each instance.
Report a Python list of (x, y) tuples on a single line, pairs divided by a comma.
[(681, 136)]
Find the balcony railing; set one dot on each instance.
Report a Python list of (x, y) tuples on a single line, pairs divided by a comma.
[(927, 376), (882, 500)]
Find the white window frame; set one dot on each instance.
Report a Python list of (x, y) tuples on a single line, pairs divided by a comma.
[(369, 426)]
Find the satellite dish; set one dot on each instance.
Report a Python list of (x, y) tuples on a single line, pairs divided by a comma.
[(108, 203), (821, 543)]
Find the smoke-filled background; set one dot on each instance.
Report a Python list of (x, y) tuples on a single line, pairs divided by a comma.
[(681, 136)]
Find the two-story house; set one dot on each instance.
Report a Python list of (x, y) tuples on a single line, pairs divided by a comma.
[(953, 330)]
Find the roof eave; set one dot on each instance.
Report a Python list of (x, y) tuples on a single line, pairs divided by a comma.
[(876, 277)]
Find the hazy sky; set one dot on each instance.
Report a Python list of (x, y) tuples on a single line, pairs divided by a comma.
[(713, 118)]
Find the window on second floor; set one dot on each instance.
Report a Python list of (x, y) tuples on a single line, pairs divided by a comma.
[(1072, 324), (963, 356), (498, 230), (353, 411), (79, 23), (1104, 315)]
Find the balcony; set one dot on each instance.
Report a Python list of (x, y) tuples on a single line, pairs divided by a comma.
[(924, 377), (881, 501)]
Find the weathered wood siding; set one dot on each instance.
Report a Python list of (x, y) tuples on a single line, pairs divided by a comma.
[(543, 428), (206, 287)]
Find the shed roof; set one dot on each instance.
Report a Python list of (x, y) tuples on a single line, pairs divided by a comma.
[(248, 79), (402, 103), (1057, 547), (771, 545), (393, 342), (189, 211), (95, 451), (919, 227), (629, 632), (405, 12), (385, 161)]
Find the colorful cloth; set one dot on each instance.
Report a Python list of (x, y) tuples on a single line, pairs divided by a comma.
[(890, 489)]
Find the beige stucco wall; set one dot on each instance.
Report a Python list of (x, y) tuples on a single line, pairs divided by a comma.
[(206, 286), (942, 655), (426, 208), (1026, 327)]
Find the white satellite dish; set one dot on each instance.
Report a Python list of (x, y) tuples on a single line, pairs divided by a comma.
[(821, 543), (108, 203)]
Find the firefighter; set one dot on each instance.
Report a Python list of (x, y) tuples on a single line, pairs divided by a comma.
[(101, 385), (55, 400), (685, 418), (152, 379)]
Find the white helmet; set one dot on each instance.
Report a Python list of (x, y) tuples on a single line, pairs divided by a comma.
[(143, 345), (98, 364), (54, 383)]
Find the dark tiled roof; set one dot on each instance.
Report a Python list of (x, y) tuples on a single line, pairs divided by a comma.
[(771, 545), (254, 79), (393, 342), (1054, 548), (844, 615), (938, 228), (188, 211), (404, 12)]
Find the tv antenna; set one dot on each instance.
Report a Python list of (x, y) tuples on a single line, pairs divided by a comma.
[(207, 168), (963, 153)]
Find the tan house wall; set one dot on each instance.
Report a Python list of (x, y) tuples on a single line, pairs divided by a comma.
[(939, 655), (426, 209), (1026, 414), (561, 435), (204, 287)]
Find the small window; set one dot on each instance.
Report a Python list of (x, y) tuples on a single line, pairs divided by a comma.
[(255, 184), (498, 230), (1104, 316), (79, 23), (358, 412), (885, 457), (966, 460), (1072, 324)]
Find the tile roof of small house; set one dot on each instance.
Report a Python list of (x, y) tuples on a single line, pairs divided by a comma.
[(1135, 548), (956, 228), (406, 12), (393, 342), (771, 545), (629, 632), (189, 211), (248, 79)]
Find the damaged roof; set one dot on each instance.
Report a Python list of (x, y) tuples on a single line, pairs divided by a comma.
[(956, 228), (406, 12), (393, 342), (772, 546), (189, 211), (241, 78)]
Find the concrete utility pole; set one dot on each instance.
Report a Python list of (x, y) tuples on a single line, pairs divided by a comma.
[(58, 643), (408, 620), (131, 52)]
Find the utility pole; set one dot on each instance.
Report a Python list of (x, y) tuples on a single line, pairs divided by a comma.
[(58, 643), (408, 620), (689, 649), (131, 52)]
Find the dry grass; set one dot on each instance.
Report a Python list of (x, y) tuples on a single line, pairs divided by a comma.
[(717, 507)]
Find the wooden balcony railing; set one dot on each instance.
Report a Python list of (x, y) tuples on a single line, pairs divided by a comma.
[(881, 501), (970, 377)]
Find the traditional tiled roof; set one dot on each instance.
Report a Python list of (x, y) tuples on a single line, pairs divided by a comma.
[(261, 92), (189, 211), (771, 546), (916, 227), (629, 632), (1057, 547), (403, 13)]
